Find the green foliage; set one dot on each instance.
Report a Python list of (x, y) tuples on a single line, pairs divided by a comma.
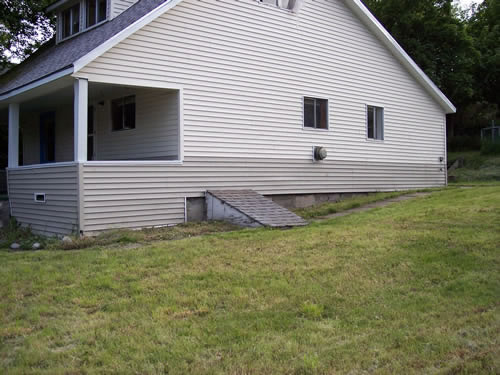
[(24, 27), (490, 148), (478, 167), (464, 143), (408, 289), (459, 51), (484, 27), (436, 38)]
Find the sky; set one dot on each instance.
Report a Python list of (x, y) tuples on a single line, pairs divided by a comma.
[(467, 3)]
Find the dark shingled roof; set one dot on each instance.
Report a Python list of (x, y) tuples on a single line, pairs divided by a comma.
[(52, 57)]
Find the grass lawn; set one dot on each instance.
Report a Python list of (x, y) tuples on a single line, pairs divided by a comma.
[(328, 208), (478, 168), (410, 288)]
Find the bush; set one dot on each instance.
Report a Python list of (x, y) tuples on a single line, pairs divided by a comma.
[(464, 143), (490, 148)]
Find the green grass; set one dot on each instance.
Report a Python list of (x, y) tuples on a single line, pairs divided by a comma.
[(114, 238), (412, 288), (329, 208), (478, 168)]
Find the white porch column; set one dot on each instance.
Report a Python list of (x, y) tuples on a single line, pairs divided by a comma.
[(13, 135), (80, 122)]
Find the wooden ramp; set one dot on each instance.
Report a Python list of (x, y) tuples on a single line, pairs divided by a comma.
[(248, 208)]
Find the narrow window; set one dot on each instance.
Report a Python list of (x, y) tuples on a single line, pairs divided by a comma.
[(102, 10), (123, 113), (96, 11), (375, 122), (70, 21), (316, 113), (91, 13)]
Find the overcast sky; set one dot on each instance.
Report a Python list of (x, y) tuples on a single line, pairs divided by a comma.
[(467, 3)]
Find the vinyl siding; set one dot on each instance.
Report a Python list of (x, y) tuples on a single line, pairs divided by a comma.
[(119, 6), (143, 195), (155, 136), (245, 67), (59, 215)]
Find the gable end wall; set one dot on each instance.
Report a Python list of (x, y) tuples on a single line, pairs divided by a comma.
[(244, 68)]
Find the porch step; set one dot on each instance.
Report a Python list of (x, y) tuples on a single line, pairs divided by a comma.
[(249, 208)]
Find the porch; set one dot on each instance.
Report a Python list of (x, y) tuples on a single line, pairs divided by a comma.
[(77, 150)]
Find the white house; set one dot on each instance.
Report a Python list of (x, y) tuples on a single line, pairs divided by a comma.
[(137, 108)]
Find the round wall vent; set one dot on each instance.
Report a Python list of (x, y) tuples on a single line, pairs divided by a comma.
[(320, 153)]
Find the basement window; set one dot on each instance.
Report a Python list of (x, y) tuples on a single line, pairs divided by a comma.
[(315, 113), (375, 122), (123, 113)]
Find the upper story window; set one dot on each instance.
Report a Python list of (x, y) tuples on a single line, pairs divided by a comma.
[(81, 15), (96, 11), (70, 21)]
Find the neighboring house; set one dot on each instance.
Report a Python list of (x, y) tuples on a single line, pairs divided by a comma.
[(138, 107)]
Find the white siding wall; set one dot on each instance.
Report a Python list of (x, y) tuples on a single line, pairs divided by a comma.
[(30, 124), (155, 136), (119, 6), (64, 134), (59, 215), (245, 66), (120, 196)]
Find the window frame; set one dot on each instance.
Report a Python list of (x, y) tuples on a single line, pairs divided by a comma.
[(82, 21), (86, 3), (61, 20), (310, 128), (275, 5), (376, 108), (113, 130)]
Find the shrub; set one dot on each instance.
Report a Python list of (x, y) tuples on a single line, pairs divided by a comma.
[(490, 148)]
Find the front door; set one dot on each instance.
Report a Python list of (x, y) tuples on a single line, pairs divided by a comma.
[(47, 137)]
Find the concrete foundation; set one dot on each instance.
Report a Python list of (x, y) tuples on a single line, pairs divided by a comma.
[(196, 209), (292, 201)]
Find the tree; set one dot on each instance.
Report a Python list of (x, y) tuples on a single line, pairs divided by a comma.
[(432, 32), (24, 26), (484, 27)]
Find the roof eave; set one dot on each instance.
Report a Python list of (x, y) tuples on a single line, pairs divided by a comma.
[(39, 82)]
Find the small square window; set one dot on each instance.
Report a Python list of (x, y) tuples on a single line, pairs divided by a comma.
[(123, 113), (375, 122), (315, 113)]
